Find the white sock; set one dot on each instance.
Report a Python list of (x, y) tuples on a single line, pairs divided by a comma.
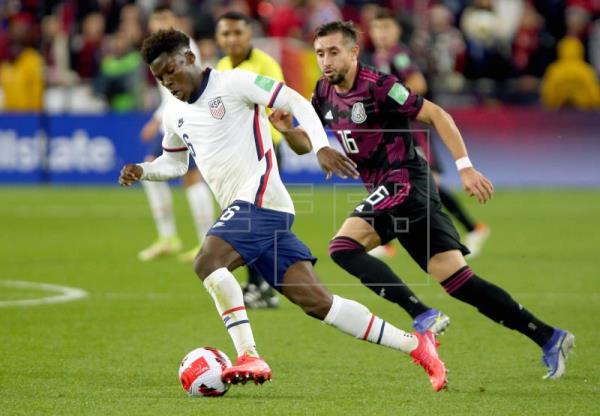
[(201, 205), (161, 205), (355, 319), (227, 294)]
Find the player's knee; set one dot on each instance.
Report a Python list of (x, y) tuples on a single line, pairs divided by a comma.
[(204, 265), (318, 307), (443, 265), (313, 302), (343, 249)]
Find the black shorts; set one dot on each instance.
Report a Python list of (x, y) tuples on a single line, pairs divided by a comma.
[(418, 222)]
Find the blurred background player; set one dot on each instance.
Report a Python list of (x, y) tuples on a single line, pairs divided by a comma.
[(234, 37), (391, 56), (159, 194)]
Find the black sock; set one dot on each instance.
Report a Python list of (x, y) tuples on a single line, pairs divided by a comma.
[(254, 277), (496, 304), (455, 208), (374, 274)]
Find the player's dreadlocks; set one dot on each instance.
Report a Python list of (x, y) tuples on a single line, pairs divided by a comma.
[(347, 29), (163, 41)]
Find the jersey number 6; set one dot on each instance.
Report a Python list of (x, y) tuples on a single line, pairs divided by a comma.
[(186, 139), (348, 142), (229, 212)]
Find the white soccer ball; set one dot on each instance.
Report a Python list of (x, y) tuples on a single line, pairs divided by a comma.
[(200, 372)]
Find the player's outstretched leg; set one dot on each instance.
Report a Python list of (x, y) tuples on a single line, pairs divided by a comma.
[(161, 206), (211, 266), (457, 278), (303, 288), (377, 276)]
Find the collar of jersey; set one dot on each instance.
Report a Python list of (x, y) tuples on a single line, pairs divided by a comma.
[(203, 85)]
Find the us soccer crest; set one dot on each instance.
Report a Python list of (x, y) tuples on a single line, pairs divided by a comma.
[(217, 108), (359, 115)]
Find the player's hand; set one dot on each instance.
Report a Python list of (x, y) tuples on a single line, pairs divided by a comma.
[(476, 184), (281, 120), (150, 130), (332, 161), (130, 174)]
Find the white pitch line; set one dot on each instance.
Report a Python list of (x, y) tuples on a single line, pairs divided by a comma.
[(66, 294)]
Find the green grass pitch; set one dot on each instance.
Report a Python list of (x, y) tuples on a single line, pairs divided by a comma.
[(118, 350)]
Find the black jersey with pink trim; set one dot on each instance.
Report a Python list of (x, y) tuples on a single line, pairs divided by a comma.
[(371, 122)]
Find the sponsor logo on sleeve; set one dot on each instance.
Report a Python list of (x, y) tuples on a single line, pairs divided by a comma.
[(265, 83), (399, 93)]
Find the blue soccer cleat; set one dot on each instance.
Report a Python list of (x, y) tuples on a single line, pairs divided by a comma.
[(431, 320), (556, 351)]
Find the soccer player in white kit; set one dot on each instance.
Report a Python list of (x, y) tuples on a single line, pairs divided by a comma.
[(220, 120)]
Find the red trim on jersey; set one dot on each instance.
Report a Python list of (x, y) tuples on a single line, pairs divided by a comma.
[(264, 179), (175, 149), (260, 150), (368, 77), (237, 308), (369, 327), (274, 96)]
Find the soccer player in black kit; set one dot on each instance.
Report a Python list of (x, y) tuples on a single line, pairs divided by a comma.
[(370, 112)]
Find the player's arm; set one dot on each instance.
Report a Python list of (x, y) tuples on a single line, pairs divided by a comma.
[(473, 181), (173, 163), (295, 137), (331, 160)]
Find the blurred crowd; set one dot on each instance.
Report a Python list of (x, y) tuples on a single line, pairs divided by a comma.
[(469, 51)]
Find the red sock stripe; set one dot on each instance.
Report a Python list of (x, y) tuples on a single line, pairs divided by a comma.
[(369, 327), (237, 308), (458, 279)]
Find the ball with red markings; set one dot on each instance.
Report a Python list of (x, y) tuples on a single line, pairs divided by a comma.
[(200, 372)]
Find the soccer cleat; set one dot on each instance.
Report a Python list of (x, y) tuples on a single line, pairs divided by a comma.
[(189, 256), (427, 357), (555, 353), (162, 247), (431, 320), (476, 238), (247, 368), (384, 251), (260, 298)]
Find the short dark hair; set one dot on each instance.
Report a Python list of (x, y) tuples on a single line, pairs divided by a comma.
[(347, 29), (162, 7), (163, 41), (233, 16), (384, 13)]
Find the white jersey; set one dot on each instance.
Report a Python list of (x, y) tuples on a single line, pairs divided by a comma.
[(226, 130)]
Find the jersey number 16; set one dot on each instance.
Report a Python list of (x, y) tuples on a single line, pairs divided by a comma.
[(348, 141)]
